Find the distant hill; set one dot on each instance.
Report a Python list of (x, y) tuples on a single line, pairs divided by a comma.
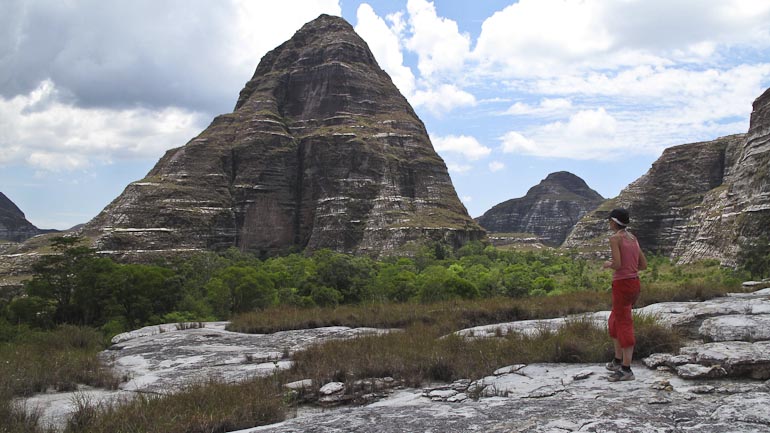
[(14, 226), (549, 210)]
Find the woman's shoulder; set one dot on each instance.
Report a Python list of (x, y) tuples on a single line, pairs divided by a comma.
[(621, 235)]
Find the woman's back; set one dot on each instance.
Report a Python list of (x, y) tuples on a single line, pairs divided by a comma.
[(629, 256)]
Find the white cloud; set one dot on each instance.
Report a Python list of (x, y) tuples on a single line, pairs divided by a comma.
[(437, 40), (442, 99), (546, 37), (546, 107), (53, 135), (385, 45), (50, 161), (589, 124), (588, 134), (533, 35), (466, 199), (461, 144), (495, 166), (186, 53), (458, 168), (514, 142)]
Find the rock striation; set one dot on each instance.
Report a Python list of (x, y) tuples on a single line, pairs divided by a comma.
[(549, 209), (321, 151), (663, 202), (700, 200), (14, 226)]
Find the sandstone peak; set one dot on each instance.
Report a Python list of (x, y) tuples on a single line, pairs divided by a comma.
[(321, 151), (14, 226), (549, 209)]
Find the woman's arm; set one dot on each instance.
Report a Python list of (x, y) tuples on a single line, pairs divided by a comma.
[(642, 260), (615, 263)]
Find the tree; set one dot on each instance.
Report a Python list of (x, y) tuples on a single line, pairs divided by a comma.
[(437, 283), (236, 289), (346, 274), (755, 257), (141, 293), (395, 283), (56, 276)]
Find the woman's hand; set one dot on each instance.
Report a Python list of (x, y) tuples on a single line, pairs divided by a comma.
[(607, 264)]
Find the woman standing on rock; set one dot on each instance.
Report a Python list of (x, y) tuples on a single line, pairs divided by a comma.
[(627, 260)]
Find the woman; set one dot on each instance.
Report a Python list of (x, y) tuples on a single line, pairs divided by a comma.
[(627, 260)]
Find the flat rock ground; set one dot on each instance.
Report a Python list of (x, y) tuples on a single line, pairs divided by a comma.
[(546, 398), (706, 388)]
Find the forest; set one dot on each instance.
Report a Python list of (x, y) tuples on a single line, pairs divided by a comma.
[(77, 286)]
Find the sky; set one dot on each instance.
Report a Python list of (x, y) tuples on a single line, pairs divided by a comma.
[(92, 93)]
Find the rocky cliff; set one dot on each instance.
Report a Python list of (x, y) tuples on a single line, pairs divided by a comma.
[(663, 201), (14, 226), (738, 213), (699, 200), (321, 151), (549, 209)]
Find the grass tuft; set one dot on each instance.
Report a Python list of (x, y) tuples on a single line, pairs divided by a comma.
[(210, 407)]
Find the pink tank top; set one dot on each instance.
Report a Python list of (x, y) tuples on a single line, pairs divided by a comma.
[(629, 259)]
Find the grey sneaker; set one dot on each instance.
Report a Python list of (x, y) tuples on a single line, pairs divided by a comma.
[(612, 366), (621, 376)]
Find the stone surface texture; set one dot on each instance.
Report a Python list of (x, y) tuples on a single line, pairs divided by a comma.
[(163, 358), (714, 387), (549, 210), (321, 151), (699, 200)]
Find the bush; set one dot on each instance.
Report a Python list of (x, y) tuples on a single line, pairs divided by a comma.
[(325, 296)]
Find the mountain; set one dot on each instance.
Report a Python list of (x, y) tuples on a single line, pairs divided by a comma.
[(549, 209), (697, 201), (14, 226), (321, 151)]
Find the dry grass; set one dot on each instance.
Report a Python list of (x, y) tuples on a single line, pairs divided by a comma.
[(15, 418), (448, 316), (40, 361), (211, 407), (57, 360), (692, 290), (418, 354)]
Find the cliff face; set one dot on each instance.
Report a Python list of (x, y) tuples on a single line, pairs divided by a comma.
[(14, 226), (663, 202), (321, 151), (549, 209), (739, 212), (698, 201)]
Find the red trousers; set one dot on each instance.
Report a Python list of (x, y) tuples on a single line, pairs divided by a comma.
[(621, 324)]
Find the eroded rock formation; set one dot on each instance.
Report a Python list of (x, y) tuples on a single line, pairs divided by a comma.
[(699, 200), (549, 209), (14, 226), (321, 151), (664, 201)]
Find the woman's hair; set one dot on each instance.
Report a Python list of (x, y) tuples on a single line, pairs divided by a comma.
[(620, 216)]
